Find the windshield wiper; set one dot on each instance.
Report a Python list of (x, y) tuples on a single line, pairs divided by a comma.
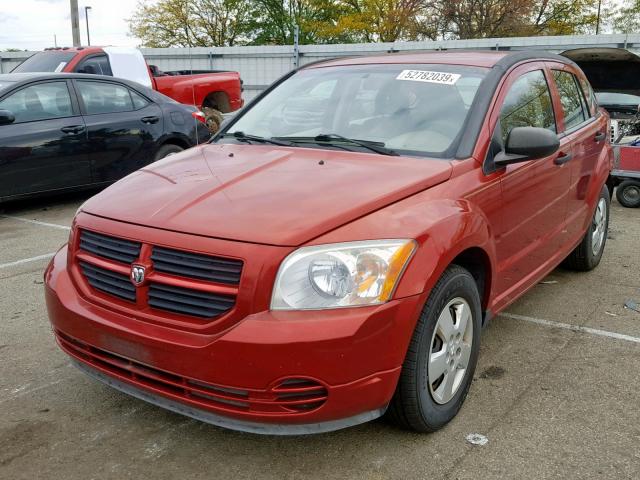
[(335, 139), (243, 137)]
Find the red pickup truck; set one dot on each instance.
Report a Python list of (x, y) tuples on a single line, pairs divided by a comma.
[(219, 90), (336, 250)]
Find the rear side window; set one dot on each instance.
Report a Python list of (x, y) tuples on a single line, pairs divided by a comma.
[(43, 101), (591, 97), (102, 97), (97, 65), (138, 101), (528, 104), (573, 103)]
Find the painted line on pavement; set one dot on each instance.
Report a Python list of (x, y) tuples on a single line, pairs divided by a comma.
[(26, 260), (36, 222), (574, 328)]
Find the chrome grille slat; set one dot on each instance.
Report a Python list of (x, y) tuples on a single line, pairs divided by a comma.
[(109, 282), (125, 251), (198, 266), (188, 301)]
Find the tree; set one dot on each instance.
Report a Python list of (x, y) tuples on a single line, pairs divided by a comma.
[(170, 23), (193, 23), (388, 20), (626, 17)]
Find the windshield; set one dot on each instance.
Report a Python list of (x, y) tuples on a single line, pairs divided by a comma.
[(411, 109), (45, 62), (610, 98)]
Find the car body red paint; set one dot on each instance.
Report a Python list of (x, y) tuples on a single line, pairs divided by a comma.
[(259, 203)]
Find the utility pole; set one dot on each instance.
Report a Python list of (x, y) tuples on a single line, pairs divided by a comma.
[(75, 23), (86, 17), (598, 18), (296, 46)]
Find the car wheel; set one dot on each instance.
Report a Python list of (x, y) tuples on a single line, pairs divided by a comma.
[(586, 256), (628, 193), (442, 356), (166, 150)]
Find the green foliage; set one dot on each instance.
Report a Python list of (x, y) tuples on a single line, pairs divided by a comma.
[(180, 23), (625, 16)]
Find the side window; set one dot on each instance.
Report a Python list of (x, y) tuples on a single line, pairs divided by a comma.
[(103, 97), (572, 101), (528, 104), (97, 65), (43, 101), (138, 101), (591, 97)]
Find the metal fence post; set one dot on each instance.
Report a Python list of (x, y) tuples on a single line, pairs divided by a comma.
[(210, 55), (296, 46)]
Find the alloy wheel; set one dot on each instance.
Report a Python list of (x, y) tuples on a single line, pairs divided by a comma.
[(599, 226), (450, 350)]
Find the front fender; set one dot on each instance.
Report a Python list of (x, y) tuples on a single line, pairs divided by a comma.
[(443, 228)]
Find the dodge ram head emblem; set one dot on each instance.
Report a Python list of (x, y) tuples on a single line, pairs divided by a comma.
[(137, 274)]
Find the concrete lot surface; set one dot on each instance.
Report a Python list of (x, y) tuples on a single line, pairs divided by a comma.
[(554, 400)]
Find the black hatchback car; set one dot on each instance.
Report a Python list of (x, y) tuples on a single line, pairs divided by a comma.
[(69, 131)]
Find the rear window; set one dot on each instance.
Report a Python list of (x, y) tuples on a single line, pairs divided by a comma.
[(45, 62), (573, 103)]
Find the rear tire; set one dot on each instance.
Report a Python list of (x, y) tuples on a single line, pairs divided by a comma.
[(423, 401), (166, 150), (586, 256), (628, 193)]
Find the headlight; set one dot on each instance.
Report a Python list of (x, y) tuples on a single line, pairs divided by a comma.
[(341, 274)]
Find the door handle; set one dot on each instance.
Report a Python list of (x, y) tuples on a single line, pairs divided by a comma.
[(151, 119), (600, 136), (562, 158), (73, 129)]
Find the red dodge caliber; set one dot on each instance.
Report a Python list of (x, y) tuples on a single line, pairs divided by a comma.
[(335, 251)]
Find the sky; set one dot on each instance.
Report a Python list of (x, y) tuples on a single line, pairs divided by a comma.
[(32, 24)]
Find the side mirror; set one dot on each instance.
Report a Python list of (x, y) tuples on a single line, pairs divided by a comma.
[(527, 143), (6, 117)]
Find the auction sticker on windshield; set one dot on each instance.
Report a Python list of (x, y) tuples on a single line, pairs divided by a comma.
[(430, 77)]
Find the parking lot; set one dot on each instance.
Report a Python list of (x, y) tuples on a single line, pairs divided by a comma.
[(555, 392)]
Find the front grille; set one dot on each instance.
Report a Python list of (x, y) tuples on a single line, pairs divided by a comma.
[(104, 246), (188, 301), (291, 396), (108, 281), (194, 285), (196, 265)]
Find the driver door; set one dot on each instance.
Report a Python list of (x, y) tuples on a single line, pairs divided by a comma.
[(534, 193)]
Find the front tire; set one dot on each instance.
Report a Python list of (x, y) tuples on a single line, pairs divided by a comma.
[(586, 256), (628, 193), (442, 356)]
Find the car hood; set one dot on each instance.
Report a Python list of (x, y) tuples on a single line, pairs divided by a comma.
[(263, 194)]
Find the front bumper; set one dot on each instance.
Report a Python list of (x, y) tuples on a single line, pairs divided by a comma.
[(235, 378)]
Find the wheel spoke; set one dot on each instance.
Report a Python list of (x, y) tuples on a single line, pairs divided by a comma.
[(464, 315), (445, 390), (445, 324), (465, 354), (437, 365)]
